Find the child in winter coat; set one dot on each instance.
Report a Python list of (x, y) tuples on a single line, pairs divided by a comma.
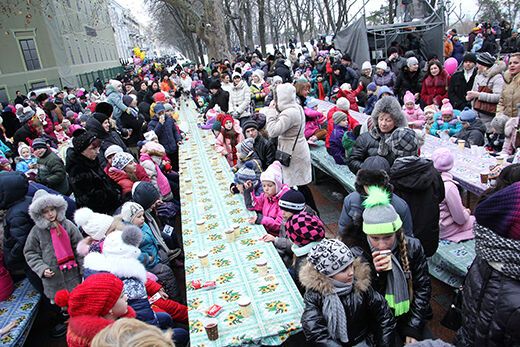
[(401, 276), (60, 133), (496, 137), (268, 212), (5, 165), (313, 121), (228, 139), (412, 112), (446, 121), (92, 306), (50, 249), (164, 126), (455, 221), (26, 161), (346, 91), (133, 213), (152, 158), (97, 226), (336, 149), (321, 88), (341, 308), (429, 112), (124, 172), (371, 98), (342, 105)]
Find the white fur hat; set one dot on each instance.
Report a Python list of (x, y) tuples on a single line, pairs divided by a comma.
[(123, 243), (366, 65), (343, 104), (149, 135), (93, 224)]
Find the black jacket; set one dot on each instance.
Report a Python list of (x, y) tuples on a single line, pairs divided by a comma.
[(129, 121), (418, 183), (474, 134), (366, 146), (366, 310), (458, 88), (220, 98), (23, 134), (91, 186), (265, 150), (280, 69), (490, 309), (407, 80), (107, 139), (10, 123)]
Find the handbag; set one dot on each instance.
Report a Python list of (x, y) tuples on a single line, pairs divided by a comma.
[(487, 108), (283, 157), (453, 317)]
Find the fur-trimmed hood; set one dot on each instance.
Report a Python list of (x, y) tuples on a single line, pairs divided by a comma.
[(119, 266), (42, 200), (313, 280), (496, 69), (391, 106)]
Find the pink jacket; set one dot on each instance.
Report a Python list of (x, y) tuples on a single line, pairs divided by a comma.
[(315, 119), (271, 212), (156, 175), (455, 223), (415, 115), (224, 147)]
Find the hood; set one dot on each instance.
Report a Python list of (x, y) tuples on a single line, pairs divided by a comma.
[(508, 78), (13, 187), (241, 85), (391, 106), (110, 89), (314, 280), (286, 96), (495, 70), (412, 173), (42, 200), (95, 127)]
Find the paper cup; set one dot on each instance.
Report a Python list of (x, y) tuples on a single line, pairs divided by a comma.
[(484, 176), (236, 228), (211, 326), (388, 254), (261, 266), (500, 160), (203, 258), (200, 226), (245, 306), (189, 195), (230, 235), (461, 144)]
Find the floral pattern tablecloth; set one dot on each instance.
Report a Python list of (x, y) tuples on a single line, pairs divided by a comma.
[(277, 305)]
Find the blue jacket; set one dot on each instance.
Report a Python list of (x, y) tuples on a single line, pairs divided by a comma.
[(149, 247), (454, 126), (336, 149), (115, 99), (23, 164), (4, 149), (167, 133), (371, 102)]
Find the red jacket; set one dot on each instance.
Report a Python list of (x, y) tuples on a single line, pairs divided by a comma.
[(352, 123), (122, 178), (351, 96), (434, 89), (178, 312)]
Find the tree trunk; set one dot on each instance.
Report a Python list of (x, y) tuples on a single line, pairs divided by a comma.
[(272, 23), (213, 33), (391, 11), (246, 11), (261, 25)]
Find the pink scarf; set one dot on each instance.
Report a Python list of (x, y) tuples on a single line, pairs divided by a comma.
[(62, 248)]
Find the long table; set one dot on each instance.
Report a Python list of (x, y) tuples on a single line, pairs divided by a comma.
[(468, 164), (277, 305)]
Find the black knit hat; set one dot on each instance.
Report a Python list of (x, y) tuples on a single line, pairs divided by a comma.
[(145, 194), (101, 117), (248, 124), (214, 84), (105, 107), (292, 201), (81, 140), (486, 59), (470, 57)]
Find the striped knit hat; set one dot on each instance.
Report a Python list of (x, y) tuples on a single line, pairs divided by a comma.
[(379, 216)]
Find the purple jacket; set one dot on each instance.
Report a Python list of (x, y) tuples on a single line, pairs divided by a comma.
[(336, 149), (388, 79), (455, 223)]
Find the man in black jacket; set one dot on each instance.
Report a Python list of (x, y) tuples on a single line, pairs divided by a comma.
[(462, 81), (263, 147), (218, 97)]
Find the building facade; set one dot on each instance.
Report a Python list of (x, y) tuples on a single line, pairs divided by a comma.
[(127, 31), (53, 42)]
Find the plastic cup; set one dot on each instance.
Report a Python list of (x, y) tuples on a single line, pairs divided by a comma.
[(461, 144), (245, 306), (261, 265), (500, 160), (200, 226), (211, 326), (236, 228), (230, 235), (388, 254), (203, 258), (189, 195), (484, 176)]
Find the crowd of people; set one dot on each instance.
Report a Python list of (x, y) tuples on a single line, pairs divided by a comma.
[(90, 190)]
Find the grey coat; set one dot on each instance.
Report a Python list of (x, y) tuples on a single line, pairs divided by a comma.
[(493, 79), (285, 123), (39, 252)]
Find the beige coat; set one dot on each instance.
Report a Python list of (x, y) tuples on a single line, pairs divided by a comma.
[(510, 95), (285, 124)]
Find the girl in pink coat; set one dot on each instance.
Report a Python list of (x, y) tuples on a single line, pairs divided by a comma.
[(413, 112), (455, 221), (228, 139), (268, 213), (313, 121)]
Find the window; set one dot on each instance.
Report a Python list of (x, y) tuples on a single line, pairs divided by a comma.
[(38, 85), (30, 55), (3, 96)]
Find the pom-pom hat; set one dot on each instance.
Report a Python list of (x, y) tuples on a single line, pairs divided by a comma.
[(93, 224), (130, 210), (379, 216)]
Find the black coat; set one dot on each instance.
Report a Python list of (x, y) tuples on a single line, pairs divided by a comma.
[(458, 88), (418, 183), (491, 308), (366, 146), (91, 186), (10, 123), (366, 310), (407, 80), (220, 98), (265, 150), (107, 139), (23, 134), (129, 121), (280, 69)]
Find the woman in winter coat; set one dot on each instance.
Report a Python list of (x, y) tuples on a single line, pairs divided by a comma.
[(51, 169), (489, 77), (239, 99), (91, 186), (386, 117), (166, 129), (286, 120), (455, 221), (99, 125), (259, 89), (510, 97), (341, 307), (435, 84), (50, 249), (384, 76), (114, 94), (491, 294), (410, 79)]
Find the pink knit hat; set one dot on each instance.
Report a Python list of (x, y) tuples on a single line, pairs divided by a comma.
[(153, 147), (442, 159), (408, 97), (446, 107), (273, 174)]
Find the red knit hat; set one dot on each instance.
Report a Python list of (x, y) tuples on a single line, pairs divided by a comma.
[(226, 118), (159, 97), (94, 297)]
